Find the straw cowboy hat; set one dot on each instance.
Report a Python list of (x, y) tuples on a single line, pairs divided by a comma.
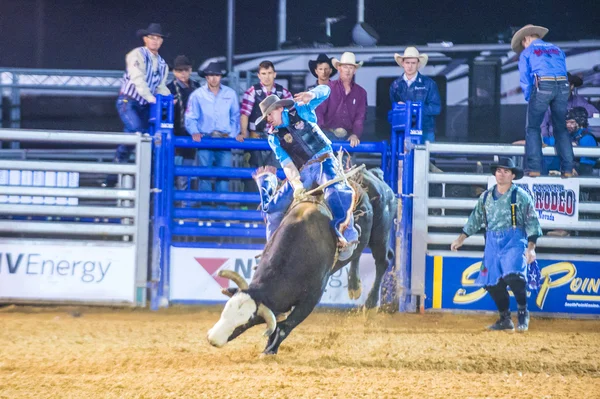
[(525, 31), (347, 58), (321, 59), (412, 52), (270, 104), (152, 29), (507, 163)]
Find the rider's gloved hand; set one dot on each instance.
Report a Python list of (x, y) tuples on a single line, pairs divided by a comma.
[(298, 187)]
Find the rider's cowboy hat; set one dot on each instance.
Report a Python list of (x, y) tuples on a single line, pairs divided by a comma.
[(522, 33), (270, 104), (347, 58), (507, 163), (412, 52), (152, 29), (212, 69), (321, 59)]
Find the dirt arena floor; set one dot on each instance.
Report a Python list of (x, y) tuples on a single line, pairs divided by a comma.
[(103, 353)]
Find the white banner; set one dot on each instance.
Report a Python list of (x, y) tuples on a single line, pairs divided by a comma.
[(194, 275), (556, 200), (67, 272)]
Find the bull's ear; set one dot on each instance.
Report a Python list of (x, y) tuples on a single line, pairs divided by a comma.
[(229, 291)]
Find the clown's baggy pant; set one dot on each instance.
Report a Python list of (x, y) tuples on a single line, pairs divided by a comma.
[(338, 196)]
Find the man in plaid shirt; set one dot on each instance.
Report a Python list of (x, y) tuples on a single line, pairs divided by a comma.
[(250, 112)]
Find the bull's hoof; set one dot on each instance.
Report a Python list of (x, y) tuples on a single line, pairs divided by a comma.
[(355, 294)]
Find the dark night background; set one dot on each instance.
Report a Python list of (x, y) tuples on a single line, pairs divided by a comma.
[(97, 34)]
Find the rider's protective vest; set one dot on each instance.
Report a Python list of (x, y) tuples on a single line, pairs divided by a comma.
[(259, 95), (300, 139)]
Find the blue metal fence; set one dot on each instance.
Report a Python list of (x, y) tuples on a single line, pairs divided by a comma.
[(170, 221)]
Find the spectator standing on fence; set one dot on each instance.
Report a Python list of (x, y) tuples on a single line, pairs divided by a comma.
[(575, 100), (512, 228), (213, 112), (145, 77), (322, 69), (415, 87), (342, 115), (307, 159), (250, 111), (543, 72), (181, 87)]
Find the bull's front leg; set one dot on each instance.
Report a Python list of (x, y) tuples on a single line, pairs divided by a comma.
[(284, 328)]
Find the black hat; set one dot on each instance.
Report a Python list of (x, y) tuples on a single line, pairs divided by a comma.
[(212, 69), (507, 163), (321, 58), (181, 62), (152, 29), (574, 80), (579, 115)]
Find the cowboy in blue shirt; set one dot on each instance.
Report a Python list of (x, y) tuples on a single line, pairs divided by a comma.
[(415, 87), (307, 159), (543, 75)]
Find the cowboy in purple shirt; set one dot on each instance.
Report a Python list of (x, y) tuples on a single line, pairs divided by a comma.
[(342, 115), (574, 101)]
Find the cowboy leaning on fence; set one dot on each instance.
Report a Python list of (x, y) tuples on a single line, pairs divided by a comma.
[(307, 159)]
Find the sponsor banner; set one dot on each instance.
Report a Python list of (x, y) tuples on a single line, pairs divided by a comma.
[(194, 275), (556, 200), (566, 286), (70, 272)]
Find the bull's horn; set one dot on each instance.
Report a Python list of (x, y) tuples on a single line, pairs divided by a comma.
[(235, 277), (269, 317)]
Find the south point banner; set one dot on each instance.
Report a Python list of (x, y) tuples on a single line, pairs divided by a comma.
[(556, 200), (571, 287)]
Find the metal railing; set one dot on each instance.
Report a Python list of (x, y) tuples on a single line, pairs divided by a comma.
[(87, 216)]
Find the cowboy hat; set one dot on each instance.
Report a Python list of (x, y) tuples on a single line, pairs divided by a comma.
[(574, 80), (212, 69), (270, 104), (321, 58), (347, 58), (507, 163), (522, 33), (412, 52), (152, 29), (181, 63)]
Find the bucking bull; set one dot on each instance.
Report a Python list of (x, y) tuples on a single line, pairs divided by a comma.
[(299, 258)]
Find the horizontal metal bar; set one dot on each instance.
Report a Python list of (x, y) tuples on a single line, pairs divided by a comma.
[(94, 73), (262, 144), (66, 228), (543, 242), (222, 173), (79, 192), (72, 87), (66, 210), (501, 149), (90, 167), (218, 232), (469, 204), (472, 178), (459, 221), (181, 213), (79, 137), (217, 197), (540, 256)]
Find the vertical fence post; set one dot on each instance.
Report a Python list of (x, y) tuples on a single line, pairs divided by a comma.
[(161, 127)]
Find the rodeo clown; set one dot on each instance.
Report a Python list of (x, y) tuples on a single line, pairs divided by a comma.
[(307, 159), (512, 228)]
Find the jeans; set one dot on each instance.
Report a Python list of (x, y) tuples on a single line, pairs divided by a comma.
[(220, 159), (182, 182), (553, 94), (135, 119)]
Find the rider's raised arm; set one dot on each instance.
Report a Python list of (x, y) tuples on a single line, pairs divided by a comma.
[(307, 110)]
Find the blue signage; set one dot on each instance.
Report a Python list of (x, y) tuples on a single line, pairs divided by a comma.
[(566, 286)]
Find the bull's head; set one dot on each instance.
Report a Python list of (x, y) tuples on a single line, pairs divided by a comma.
[(240, 311)]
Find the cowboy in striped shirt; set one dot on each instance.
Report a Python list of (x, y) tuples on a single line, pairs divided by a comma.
[(145, 76)]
